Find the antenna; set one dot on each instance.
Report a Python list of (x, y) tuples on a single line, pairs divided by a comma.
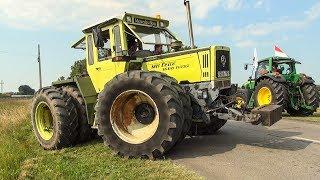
[(39, 62), (2, 83)]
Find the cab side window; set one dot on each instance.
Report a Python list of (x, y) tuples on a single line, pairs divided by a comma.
[(104, 52), (90, 50)]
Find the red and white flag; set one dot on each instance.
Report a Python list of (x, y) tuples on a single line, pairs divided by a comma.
[(278, 52)]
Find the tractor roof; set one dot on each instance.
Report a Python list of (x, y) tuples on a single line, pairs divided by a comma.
[(280, 59), (130, 18)]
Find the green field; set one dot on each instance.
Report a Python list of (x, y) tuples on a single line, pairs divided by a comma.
[(23, 158)]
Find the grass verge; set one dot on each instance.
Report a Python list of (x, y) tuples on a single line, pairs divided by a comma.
[(315, 118), (23, 158)]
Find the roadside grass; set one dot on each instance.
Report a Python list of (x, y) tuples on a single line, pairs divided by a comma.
[(314, 118), (23, 158)]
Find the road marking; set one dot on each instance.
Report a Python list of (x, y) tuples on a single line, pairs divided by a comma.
[(305, 139)]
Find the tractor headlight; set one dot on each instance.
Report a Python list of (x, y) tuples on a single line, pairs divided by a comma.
[(129, 19)]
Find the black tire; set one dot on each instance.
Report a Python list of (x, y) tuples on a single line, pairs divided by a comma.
[(278, 91), (63, 111), (242, 99), (85, 133), (170, 114), (311, 97), (186, 102), (201, 128)]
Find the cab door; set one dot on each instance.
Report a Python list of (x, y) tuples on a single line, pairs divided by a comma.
[(99, 64)]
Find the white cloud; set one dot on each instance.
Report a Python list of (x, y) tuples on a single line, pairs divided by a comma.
[(259, 4), (314, 12), (208, 31), (61, 14), (246, 43), (233, 4)]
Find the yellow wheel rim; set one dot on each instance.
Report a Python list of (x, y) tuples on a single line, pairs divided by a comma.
[(240, 103), (44, 121), (264, 96), (134, 116)]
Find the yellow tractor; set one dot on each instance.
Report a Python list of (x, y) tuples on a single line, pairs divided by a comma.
[(142, 92)]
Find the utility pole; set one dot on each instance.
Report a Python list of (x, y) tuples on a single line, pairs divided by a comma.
[(187, 4), (2, 83), (39, 62)]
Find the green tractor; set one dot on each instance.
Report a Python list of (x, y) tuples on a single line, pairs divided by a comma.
[(277, 82)]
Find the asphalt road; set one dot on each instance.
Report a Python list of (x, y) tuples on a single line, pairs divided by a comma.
[(287, 150)]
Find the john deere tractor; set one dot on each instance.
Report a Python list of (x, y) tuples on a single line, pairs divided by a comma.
[(142, 92), (277, 82)]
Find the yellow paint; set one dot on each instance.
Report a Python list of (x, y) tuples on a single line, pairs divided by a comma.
[(195, 66), (264, 96)]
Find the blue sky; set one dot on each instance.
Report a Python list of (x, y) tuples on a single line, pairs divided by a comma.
[(242, 25)]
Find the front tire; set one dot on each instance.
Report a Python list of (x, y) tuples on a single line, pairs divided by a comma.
[(139, 115), (54, 118)]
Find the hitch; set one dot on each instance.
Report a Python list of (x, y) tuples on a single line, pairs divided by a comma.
[(266, 115)]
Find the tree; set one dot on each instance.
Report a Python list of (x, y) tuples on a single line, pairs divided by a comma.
[(78, 68), (26, 90)]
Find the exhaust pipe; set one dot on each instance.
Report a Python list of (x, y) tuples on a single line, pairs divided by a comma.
[(187, 4)]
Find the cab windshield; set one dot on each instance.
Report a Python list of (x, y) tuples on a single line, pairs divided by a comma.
[(150, 35), (285, 68), (148, 41)]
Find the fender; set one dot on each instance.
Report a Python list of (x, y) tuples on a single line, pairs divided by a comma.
[(304, 79), (279, 78), (86, 88)]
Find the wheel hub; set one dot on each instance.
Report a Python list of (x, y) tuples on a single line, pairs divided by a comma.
[(44, 121), (264, 96), (144, 113), (134, 116)]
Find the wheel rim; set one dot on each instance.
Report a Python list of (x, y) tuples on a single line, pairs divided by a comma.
[(134, 116), (44, 121), (264, 96), (240, 102)]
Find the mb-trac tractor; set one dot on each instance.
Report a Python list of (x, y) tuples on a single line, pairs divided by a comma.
[(277, 82), (142, 92)]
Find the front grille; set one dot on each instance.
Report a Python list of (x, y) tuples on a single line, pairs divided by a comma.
[(222, 63)]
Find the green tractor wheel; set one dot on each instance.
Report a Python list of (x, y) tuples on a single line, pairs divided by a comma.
[(139, 114), (242, 98), (54, 118), (311, 97), (268, 92)]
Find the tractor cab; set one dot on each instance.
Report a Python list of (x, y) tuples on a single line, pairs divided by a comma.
[(112, 46), (276, 65), (129, 37)]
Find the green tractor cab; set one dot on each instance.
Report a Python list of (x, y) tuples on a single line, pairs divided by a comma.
[(277, 82)]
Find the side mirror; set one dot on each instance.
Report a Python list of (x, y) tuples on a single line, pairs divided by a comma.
[(245, 66), (97, 36)]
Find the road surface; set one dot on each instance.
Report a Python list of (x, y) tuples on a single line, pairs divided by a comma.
[(287, 150)]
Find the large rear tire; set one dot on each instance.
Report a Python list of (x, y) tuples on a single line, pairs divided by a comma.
[(268, 92), (54, 118), (139, 115), (186, 102), (85, 132), (311, 97)]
